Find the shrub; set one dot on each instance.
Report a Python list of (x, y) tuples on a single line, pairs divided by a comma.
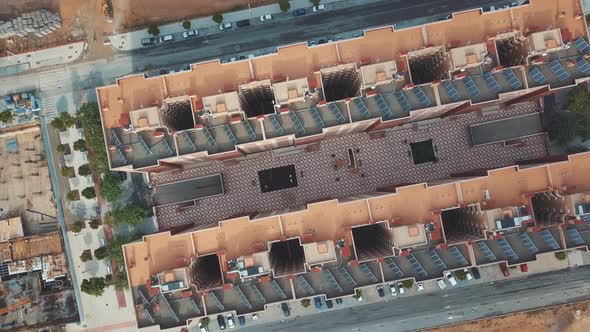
[(305, 303), (67, 119), (88, 193), (284, 5), (93, 286), (72, 195), (408, 283), (6, 116), (205, 321), (460, 275), (132, 215), (358, 294), (110, 188), (153, 30), (101, 253), (217, 18), (77, 226), (86, 256), (120, 281), (95, 223), (562, 255), (186, 24), (89, 116), (80, 145), (58, 124), (315, 2), (67, 172), (61, 148), (84, 170)]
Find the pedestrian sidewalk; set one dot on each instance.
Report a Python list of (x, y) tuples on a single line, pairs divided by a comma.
[(132, 40), (60, 55)]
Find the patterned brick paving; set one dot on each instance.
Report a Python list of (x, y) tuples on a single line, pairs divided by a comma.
[(383, 161)]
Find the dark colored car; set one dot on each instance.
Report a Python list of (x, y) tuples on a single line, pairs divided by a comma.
[(318, 302), (242, 320), (475, 272), (380, 291), (339, 300), (243, 23), (504, 269), (149, 41), (329, 304), (299, 12), (285, 308), (221, 322)]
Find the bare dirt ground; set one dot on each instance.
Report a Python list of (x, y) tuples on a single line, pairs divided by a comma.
[(567, 318)]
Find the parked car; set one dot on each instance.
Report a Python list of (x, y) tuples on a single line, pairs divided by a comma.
[(266, 17), (221, 322), (319, 7), (312, 43), (441, 283), (255, 317), (504, 270), (339, 300), (329, 304), (166, 38), (298, 12), (203, 328), (400, 288), (393, 289), (524, 268), (225, 26), (420, 286), (451, 279), (285, 308), (243, 23), (468, 274), (318, 302), (149, 41), (475, 272), (380, 291), (230, 320), (242, 320), (190, 33)]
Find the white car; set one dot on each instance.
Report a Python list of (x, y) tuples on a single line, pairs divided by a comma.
[(318, 8), (451, 279), (400, 288), (266, 17), (393, 289), (468, 274), (420, 286), (230, 321), (190, 33), (441, 283), (203, 328), (225, 26), (255, 317)]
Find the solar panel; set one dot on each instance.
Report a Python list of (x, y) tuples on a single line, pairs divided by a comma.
[(512, 79), (557, 69), (508, 251), (122, 157), (417, 266), (189, 141), (394, 268), (337, 113), (437, 261), (491, 82), (586, 218), (575, 236), (306, 286), (115, 139), (582, 45), (249, 131), (242, 297), (216, 301), (383, 107), (332, 281), (362, 108), (346, 276), (167, 147), (583, 67), (146, 148), (451, 90), (458, 256), (230, 134), (315, 115), (422, 97), (276, 125), (549, 239), (299, 130), (403, 101), (259, 297), (278, 289), (537, 76), (368, 274), (485, 250), (528, 243), (210, 139), (470, 86)]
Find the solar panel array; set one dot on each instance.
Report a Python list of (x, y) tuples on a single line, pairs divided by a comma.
[(337, 113), (368, 274), (422, 97), (332, 281), (508, 251), (549, 239), (249, 131), (299, 130), (278, 289), (216, 301), (167, 147), (583, 66), (122, 157), (512, 79), (394, 268), (232, 138), (346, 276), (306, 286), (242, 297), (528, 243), (259, 297), (458, 256), (558, 70), (582, 45), (575, 236), (362, 108), (586, 218), (537, 76), (417, 266), (210, 139), (491, 82), (315, 115), (451, 90), (142, 143), (276, 125), (383, 107), (471, 86), (402, 100), (189, 141), (485, 250), (115, 139), (437, 261)]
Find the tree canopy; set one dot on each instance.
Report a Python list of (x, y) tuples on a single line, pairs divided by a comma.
[(132, 215), (6, 116), (186, 24), (88, 193), (80, 145), (217, 18), (115, 249), (284, 5), (84, 170), (153, 30), (94, 286), (101, 253), (110, 188), (579, 101), (120, 281)]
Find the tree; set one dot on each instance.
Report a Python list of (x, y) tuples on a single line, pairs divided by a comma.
[(89, 116), (80, 145), (460, 275), (88, 193), (67, 172), (86, 256), (409, 283), (67, 119), (101, 253), (284, 5), (205, 321), (6, 116), (120, 281), (217, 18), (153, 30), (94, 286), (61, 148), (358, 294), (132, 215), (186, 24), (72, 195), (94, 223), (305, 303), (562, 128), (579, 101), (562, 255), (315, 2), (58, 124), (77, 227), (84, 170), (110, 188), (115, 247)]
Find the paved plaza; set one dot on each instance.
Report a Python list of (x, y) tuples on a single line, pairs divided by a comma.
[(383, 162)]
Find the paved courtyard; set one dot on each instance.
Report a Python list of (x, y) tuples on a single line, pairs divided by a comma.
[(383, 162)]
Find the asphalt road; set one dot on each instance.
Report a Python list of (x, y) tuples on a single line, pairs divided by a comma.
[(449, 306)]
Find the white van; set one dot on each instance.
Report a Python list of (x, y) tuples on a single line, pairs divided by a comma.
[(166, 38)]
